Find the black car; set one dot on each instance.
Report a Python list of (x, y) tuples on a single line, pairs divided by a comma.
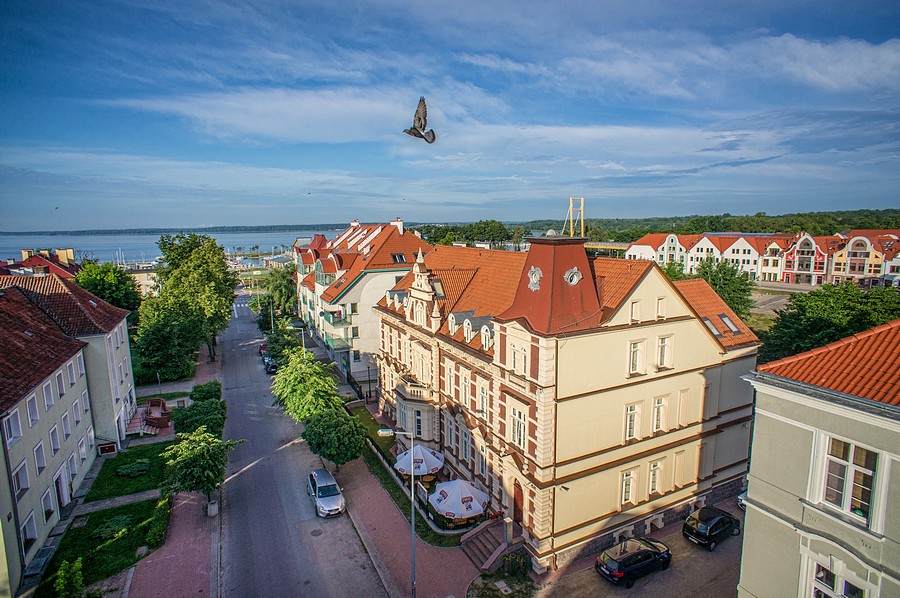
[(633, 558), (708, 526), (270, 365)]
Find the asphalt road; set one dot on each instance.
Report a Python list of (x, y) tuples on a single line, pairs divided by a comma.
[(695, 573), (272, 543)]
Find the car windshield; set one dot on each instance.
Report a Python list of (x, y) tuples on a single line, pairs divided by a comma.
[(696, 524), (610, 563), (326, 491)]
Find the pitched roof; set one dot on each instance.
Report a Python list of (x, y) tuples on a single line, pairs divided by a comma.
[(75, 310), (53, 264), (32, 346), (654, 240), (616, 279), (711, 308), (865, 365)]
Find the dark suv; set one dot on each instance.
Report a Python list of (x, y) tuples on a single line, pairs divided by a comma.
[(633, 558), (707, 526)]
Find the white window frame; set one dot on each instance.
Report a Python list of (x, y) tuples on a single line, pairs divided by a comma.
[(47, 505), (76, 411), (90, 437), (54, 433), (636, 358), (660, 308), (838, 588), (20, 481), (417, 425), (86, 400), (12, 427), (82, 451), (40, 464), (632, 421), (73, 466), (664, 352), (635, 310), (60, 385), (70, 372), (466, 440), (628, 480), (80, 361), (34, 414), (654, 481), (482, 461), (66, 425), (659, 414), (851, 470), (483, 401), (48, 396), (518, 427), (29, 532)]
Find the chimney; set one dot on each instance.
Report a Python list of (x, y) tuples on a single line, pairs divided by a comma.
[(398, 223), (66, 256), (10, 261), (354, 222), (27, 253), (44, 252)]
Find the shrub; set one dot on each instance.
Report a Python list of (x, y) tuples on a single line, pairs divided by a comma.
[(159, 526), (69, 581), (205, 392), (209, 413), (113, 528), (517, 564), (135, 469)]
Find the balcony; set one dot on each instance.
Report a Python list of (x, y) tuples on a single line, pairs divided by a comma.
[(410, 388), (336, 319), (336, 343)]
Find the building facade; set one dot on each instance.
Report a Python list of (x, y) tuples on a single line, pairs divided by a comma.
[(824, 487), (340, 280), (48, 433), (590, 398)]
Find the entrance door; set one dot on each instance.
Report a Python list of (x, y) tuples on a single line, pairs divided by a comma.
[(517, 503)]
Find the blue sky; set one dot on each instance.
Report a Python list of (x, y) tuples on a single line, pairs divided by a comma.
[(203, 112)]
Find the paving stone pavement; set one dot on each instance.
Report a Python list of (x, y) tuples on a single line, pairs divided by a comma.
[(118, 501)]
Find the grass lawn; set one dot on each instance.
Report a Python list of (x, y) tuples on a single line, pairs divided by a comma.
[(759, 322), (108, 484), (372, 426), (101, 558)]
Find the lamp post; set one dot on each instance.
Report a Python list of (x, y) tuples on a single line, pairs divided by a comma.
[(412, 499), (368, 382)]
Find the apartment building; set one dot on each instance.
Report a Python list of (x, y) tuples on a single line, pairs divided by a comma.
[(824, 485), (107, 357), (340, 280), (48, 433), (867, 257), (591, 398)]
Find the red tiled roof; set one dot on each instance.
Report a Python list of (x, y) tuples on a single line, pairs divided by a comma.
[(32, 346), (616, 279), (309, 281), (865, 365), (54, 266), (653, 240), (74, 309), (707, 304)]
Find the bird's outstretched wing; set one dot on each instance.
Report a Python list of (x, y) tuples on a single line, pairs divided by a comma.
[(429, 136), (421, 119)]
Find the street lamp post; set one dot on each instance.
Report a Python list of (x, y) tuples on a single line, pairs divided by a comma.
[(412, 499), (368, 382)]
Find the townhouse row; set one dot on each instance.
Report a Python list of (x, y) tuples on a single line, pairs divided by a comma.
[(867, 257), (66, 389)]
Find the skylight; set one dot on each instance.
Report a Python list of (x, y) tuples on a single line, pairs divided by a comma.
[(711, 326), (727, 321), (398, 258)]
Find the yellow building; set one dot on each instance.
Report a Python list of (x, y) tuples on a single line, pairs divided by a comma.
[(590, 398)]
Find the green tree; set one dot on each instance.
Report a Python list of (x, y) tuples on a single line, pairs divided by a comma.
[(733, 286), (280, 341), (518, 235), (208, 414), (281, 288), (165, 342), (205, 392), (674, 270), (305, 386), (828, 314), (111, 283), (596, 232), (336, 436), (197, 462)]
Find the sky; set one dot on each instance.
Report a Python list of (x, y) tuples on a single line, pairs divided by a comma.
[(130, 113)]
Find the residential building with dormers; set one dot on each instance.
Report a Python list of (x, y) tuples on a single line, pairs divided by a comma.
[(867, 257), (824, 485), (107, 357), (339, 281), (591, 398), (48, 431)]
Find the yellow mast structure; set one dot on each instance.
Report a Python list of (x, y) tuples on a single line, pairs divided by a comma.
[(575, 214)]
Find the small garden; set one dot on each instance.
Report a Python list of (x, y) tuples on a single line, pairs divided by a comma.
[(511, 580), (104, 543), (137, 469)]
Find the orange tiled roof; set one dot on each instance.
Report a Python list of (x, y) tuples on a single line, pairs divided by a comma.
[(32, 346), (654, 240), (309, 281), (616, 279), (74, 309), (707, 304), (53, 264), (865, 365)]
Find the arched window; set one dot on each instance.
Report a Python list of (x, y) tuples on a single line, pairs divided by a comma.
[(467, 329), (485, 338)]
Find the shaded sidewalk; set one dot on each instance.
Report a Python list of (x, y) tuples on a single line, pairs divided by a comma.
[(182, 566)]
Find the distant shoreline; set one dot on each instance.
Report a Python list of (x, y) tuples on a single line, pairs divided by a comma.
[(274, 228)]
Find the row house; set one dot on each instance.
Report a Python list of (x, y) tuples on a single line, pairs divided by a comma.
[(867, 257), (591, 398), (824, 487), (340, 280), (107, 356), (48, 430)]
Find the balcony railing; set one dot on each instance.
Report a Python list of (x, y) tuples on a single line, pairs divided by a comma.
[(335, 319), (336, 343), (412, 388)]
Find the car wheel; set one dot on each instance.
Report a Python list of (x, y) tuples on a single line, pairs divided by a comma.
[(629, 583), (711, 546), (666, 564), (735, 530)]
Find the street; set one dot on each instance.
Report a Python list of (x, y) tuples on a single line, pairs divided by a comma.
[(695, 572), (272, 542)]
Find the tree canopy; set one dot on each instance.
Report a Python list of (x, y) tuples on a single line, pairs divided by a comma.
[(336, 436), (165, 342), (111, 283), (209, 414), (730, 283), (305, 386), (825, 315), (197, 462), (281, 289)]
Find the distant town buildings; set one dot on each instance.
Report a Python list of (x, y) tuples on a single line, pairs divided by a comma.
[(339, 282), (824, 485), (42, 262), (591, 398), (867, 257)]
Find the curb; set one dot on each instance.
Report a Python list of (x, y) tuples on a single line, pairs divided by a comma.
[(128, 577)]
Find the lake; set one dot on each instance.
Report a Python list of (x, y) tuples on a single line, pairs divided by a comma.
[(142, 247)]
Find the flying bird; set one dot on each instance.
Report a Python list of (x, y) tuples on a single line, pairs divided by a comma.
[(420, 121)]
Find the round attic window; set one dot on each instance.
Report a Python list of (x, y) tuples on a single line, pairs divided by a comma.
[(572, 276)]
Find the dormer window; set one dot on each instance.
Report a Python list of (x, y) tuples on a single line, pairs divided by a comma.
[(451, 324), (485, 338), (398, 258), (467, 329)]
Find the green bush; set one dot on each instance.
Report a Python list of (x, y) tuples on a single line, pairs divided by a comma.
[(159, 526), (135, 469), (112, 528), (69, 581), (205, 392), (517, 564), (209, 413)]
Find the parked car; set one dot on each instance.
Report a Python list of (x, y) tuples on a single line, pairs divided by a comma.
[(631, 559), (742, 500), (708, 526), (325, 493), (271, 365)]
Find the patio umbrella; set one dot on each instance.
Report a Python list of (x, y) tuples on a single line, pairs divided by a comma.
[(424, 461), (457, 499)]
